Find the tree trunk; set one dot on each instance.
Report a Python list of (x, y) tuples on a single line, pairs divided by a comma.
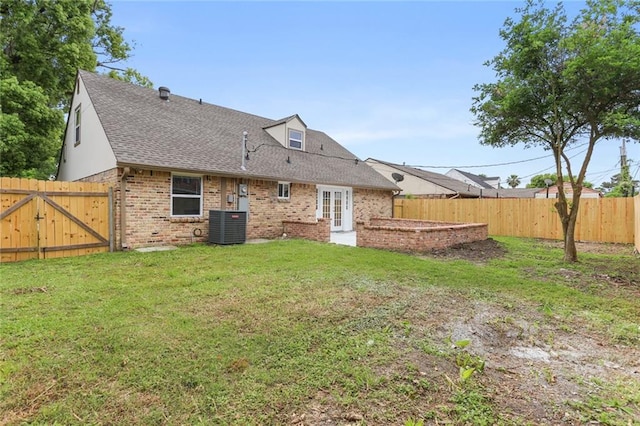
[(568, 216), (570, 251)]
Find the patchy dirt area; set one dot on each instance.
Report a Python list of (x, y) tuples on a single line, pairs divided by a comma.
[(477, 251), (539, 368), (484, 250)]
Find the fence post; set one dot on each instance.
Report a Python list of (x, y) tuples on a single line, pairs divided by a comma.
[(111, 222)]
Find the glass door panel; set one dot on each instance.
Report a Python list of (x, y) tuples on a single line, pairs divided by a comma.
[(337, 210)]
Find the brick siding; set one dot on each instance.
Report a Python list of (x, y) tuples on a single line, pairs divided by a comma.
[(148, 208), (408, 235), (368, 203)]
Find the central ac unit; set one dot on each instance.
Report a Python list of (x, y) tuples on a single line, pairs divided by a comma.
[(227, 226)]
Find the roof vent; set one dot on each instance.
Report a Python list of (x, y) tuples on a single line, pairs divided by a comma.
[(164, 93)]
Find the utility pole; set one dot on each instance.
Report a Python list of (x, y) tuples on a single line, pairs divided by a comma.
[(625, 176)]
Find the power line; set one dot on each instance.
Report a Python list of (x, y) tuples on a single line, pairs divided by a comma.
[(551, 167), (496, 164), (482, 165)]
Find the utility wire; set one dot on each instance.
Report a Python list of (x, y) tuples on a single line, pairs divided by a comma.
[(496, 164), (481, 165)]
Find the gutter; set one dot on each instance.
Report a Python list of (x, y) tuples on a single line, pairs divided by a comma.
[(246, 175)]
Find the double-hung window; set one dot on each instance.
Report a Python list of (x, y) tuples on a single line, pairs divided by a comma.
[(76, 121), (295, 139), (186, 195), (283, 190)]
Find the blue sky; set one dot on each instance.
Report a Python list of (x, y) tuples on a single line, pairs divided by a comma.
[(388, 80)]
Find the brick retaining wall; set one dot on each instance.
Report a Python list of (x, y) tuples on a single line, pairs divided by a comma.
[(417, 235), (319, 230)]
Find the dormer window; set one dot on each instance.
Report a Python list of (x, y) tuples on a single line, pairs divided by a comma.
[(295, 139)]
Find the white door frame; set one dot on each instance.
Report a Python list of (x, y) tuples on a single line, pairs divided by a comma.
[(339, 209)]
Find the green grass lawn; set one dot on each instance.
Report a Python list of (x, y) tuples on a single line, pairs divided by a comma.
[(292, 331)]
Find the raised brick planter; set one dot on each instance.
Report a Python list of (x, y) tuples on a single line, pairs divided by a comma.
[(416, 235)]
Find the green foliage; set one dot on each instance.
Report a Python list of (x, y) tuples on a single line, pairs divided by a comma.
[(564, 82), (621, 184), (473, 408), (29, 130), (538, 181), (43, 44), (46, 43), (466, 362), (513, 181), (614, 404)]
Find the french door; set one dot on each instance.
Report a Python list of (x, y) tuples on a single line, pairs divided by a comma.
[(334, 204)]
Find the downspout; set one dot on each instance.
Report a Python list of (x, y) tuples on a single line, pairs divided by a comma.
[(394, 194), (123, 208)]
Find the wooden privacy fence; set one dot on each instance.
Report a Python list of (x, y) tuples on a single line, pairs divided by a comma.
[(44, 219), (637, 222), (599, 219)]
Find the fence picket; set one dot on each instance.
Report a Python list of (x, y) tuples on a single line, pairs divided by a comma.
[(60, 219), (599, 219)]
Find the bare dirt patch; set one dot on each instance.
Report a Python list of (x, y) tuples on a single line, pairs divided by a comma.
[(477, 251), (590, 247), (536, 371), (539, 368)]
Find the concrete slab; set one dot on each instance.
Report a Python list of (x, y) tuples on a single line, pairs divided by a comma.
[(344, 238), (258, 241), (157, 248)]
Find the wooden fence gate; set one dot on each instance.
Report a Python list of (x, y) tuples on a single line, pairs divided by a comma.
[(45, 219)]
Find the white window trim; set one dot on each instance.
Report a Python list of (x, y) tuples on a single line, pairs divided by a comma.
[(288, 185), (201, 197), (301, 140), (77, 121)]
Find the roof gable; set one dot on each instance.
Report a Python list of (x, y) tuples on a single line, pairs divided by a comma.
[(286, 120)]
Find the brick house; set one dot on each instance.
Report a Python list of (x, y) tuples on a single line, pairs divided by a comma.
[(172, 159)]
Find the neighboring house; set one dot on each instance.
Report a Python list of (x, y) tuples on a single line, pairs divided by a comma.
[(568, 190), (172, 159), (512, 192), (423, 184), (475, 180)]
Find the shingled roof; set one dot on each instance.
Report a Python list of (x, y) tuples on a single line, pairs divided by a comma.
[(188, 135), (441, 180), (477, 179)]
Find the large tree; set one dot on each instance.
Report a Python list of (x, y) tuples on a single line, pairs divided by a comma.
[(44, 43), (564, 81), (541, 181)]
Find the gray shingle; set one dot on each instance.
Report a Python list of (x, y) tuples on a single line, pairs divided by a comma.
[(183, 134), (477, 179), (437, 179)]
